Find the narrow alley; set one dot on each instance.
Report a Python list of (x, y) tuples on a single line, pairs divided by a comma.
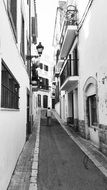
[(52, 160), (53, 62), (61, 162)]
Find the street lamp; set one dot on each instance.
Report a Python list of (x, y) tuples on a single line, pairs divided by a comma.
[(34, 64), (39, 48)]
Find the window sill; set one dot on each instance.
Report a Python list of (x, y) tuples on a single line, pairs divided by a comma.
[(9, 109)]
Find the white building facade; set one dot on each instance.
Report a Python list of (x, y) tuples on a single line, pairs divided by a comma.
[(43, 92), (14, 84), (83, 74)]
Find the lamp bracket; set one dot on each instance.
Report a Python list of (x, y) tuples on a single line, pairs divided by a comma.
[(29, 57)]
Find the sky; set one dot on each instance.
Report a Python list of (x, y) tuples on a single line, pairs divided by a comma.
[(46, 12)]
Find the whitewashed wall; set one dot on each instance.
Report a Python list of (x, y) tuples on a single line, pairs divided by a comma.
[(12, 122), (93, 56), (57, 108)]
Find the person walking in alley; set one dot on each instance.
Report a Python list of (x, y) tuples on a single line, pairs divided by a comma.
[(48, 115)]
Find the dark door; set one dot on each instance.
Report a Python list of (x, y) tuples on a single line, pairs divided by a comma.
[(45, 101), (39, 100), (28, 125), (72, 100), (53, 103)]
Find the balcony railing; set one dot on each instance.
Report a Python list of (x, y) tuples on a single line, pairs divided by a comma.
[(43, 83), (70, 69), (68, 29)]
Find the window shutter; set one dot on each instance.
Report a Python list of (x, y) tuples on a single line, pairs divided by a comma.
[(34, 29), (13, 9)]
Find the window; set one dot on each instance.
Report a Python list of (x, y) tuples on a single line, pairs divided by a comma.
[(9, 89), (92, 110), (45, 67), (12, 12), (41, 66)]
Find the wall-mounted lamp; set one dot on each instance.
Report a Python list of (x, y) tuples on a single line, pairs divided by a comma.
[(39, 48), (34, 64)]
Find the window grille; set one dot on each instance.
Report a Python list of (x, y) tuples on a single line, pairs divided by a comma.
[(9, 89)]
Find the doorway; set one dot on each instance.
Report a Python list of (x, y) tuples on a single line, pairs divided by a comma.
[(53, 103), (28, 124), (45, 101), (91, 117), (70, 108)]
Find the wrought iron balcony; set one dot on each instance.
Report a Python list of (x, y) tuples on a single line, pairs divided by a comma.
[(68, 32), (69, 75), (43, 83)]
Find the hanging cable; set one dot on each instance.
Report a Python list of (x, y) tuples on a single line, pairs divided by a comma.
[(85, 14)]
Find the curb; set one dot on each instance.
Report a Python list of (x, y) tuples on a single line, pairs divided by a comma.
[(83, 148), (34, 173)]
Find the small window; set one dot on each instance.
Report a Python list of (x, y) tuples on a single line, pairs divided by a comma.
[(9, 89), (45, 67)]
